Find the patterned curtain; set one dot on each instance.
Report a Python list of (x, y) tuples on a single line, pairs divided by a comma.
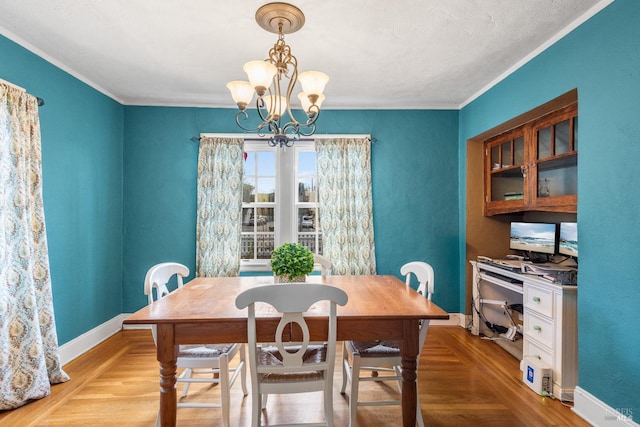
[(346, 213), (219, 207), (29, 360)]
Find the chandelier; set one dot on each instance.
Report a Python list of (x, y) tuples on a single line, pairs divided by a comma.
[(273, 80)]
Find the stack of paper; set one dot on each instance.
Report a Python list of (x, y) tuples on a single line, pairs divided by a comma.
[(558, 274)]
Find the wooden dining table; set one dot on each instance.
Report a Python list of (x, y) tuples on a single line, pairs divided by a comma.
[(204, 311)]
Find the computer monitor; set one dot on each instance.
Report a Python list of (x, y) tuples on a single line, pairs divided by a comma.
[(568, 244), (533, 237)]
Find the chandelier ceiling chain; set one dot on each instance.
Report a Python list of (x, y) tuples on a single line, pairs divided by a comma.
[(267, 79)]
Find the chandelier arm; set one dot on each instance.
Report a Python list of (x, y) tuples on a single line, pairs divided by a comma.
[(274, 127), (275, 99), (301, 132), (291, 128), (293, 79), (245, 116), (259, 107), (312, 114)]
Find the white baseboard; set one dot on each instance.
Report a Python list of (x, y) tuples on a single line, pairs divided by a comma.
[(598, 413), (455, 319), (85, 342)]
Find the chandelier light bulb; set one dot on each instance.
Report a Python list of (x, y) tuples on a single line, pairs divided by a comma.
[(313, 82), (241, 92), (280, 105), (306, 102), (260, 75)]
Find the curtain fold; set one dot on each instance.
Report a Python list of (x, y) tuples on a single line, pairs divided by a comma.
[(29, 360), (346, 211), (219, 207)]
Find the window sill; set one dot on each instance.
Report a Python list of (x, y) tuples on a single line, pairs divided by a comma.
[(255, 266)]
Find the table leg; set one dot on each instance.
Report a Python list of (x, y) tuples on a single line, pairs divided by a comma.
[(409, 364), (167, 356)]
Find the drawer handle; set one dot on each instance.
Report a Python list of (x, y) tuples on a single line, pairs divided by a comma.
[(537, 328), (536, 299)]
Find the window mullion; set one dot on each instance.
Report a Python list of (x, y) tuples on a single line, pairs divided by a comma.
[(286, 202)]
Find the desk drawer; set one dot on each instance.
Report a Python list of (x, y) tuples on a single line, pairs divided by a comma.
[(538, 328), (539, 300), (531, 348)]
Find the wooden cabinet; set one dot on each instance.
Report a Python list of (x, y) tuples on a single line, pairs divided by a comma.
[(534, 167)]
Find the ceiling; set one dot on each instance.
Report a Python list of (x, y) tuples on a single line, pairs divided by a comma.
[(405, 54)]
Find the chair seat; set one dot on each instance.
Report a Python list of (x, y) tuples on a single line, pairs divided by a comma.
[(204, 350), (378, 348), (270, 356)]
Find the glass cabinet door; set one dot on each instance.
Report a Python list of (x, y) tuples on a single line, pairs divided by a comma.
[(506, 178), (556, 160)]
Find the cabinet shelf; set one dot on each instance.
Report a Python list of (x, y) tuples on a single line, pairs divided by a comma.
[(513, 171), (559, 162)]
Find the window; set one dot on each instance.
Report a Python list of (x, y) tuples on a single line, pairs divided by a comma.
[(279, 201)]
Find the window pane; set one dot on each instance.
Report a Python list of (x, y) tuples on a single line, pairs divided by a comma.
[(308, 240), (248, 190), (250, 163), (544, 143), (575, 133), (247, 246), (306, 163), (248, 215), (562, 137), (266, 219), (266, 163), (266, 190), (264, 245), (307, 190), (306, 219)]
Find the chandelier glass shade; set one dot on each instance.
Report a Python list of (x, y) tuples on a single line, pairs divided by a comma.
[(274, 80)]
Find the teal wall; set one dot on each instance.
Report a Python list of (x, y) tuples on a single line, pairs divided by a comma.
[(602, 59), (82, 189), (119, 187), (414, 168)]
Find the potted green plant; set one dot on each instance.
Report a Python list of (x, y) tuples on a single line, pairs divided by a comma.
[(291, 262)]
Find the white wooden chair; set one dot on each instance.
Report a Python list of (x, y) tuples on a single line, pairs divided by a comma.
[(323, 262), (211, 360), (291, 367), (384, 355)]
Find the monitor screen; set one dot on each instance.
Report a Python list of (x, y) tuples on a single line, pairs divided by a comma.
[(533, 237), (568, 239)]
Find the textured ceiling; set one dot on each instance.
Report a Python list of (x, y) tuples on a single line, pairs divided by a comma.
[(379, 53)]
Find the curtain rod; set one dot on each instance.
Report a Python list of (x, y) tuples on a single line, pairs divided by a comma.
[(40, 100), (240, 135)]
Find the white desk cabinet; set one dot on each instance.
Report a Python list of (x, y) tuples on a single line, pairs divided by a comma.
[(549, 324)]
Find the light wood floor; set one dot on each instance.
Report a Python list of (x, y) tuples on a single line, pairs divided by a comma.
[(463, 380)]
